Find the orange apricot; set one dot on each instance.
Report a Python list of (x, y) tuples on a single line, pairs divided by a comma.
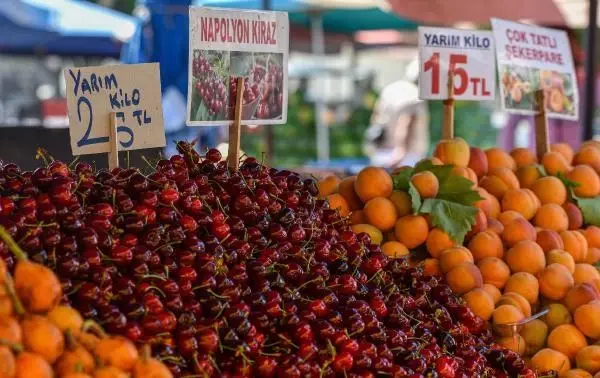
[(523, 156), (480, 302), (412, 230), (488, 204), (535, 333), (555, 281), (394, 249), (494, 271), (8, 368), (557, 314), (29, 365), (525, 284), (549, 240), (402, 202), (497, 158), (592, 256), (525, 256), (562, 257), (554, 163), (431, 267), (438, 241), (588, 359), (588, 180), (506, 217), (516, 343), (521, 201), (492, 291), (42, 337), (116, 351), (453, 151), (464, 277), (567, 339), (588, 155), (505, 315), (549, 189), (478, 161), (517, 300), (328, 185), (517, 231), (10, 330), (585, 273), (576, 244), (527, 176), (574, 214), (454, 256), (564, 149), (381, 213), (550, 360), (580, 294), (551, 217), (337, 202), (586, 319), (373, 182), (66, 318), (480, 225), (495, 226), (426, 183), (346, 190), (592, 235)]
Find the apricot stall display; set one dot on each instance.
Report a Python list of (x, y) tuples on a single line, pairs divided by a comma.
[(531, 242), (41, 339)]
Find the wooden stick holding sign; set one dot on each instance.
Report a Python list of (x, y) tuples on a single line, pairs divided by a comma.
[(113, 153), (233, 155), (542, 143), (448, 123)]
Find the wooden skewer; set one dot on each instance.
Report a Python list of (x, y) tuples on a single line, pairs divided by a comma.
[(448, 123), (542, 144), (113, 154), (233, 154)]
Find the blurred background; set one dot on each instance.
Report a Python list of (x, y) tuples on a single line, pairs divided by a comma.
[(348, 58)]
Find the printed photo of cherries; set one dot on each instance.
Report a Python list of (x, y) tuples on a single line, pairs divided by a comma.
[(215, 77)]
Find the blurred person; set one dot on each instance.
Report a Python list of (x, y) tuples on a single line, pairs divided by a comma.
[(399, 130), (559, 130)]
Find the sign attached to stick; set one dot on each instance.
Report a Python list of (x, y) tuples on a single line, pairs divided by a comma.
[(132, 92), (532, 58), (226, 45), (468, 54)]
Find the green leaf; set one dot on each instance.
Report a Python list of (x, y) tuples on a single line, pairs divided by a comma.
[(401, 179), (415, 197), (458, 189), (568, 183), (590, 208), (454, 218), (442, 172), (424, 165)]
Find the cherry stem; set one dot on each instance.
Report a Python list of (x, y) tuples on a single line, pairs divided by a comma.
[(93, 326), (12, 245), (10, 288)]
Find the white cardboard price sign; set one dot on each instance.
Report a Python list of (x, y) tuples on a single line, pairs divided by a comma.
[(132, 92), (228, 44), (469, 54), (532, 58)]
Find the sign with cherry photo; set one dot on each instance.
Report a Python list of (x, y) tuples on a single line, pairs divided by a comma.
[(226, 45), (466, 54)]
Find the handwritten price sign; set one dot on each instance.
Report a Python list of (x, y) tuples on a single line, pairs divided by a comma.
[(132, 92), (467, 54)]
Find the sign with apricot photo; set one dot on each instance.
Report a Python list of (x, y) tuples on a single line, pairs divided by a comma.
[(531, 58)]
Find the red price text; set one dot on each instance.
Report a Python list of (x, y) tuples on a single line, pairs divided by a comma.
[(463, 84), (235, 30)]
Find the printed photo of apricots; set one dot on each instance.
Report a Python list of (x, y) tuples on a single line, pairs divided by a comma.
[(559, 91), (517, 87)]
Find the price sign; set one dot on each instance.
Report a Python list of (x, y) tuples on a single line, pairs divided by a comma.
[(467, 54), (532, 58), (226, 45), (132, 92)]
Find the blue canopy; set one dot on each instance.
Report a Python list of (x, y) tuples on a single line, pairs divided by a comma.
[(63, 27)]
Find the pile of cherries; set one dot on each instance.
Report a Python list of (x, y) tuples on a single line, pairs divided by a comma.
[(271, 87), (240, 273), (209, 86), (251, 91)]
